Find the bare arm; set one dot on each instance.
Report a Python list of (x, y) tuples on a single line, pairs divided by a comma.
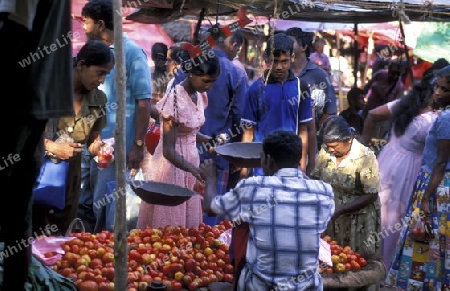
[(247, 137), (136, 154), (443, 155), (381, 113), (94, 143), (64, 150), (303, 134), (323, 118), (169, 152), (202, 138), (312, 142), (209, 171), (153, 112), (355, 205)]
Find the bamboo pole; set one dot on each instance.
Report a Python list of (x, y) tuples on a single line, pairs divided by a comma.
[(120, 231)]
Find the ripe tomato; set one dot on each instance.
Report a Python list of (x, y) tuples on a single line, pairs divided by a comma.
[(193, 286), (88, 286), (362, 262), (351, 258), (177, 286), (348, 266), (355, 265)]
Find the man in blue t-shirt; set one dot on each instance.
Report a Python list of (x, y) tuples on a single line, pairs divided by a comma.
[(278, 100), (97, 214), (319, 83)]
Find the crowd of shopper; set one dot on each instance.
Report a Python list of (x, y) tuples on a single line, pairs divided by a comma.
[(319, 168)]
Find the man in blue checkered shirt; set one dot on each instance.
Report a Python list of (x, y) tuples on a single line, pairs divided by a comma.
[(286, 213)]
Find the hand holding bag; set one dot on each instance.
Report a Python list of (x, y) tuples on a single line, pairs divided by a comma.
[(50, 189), (421, 231), (152, 137)]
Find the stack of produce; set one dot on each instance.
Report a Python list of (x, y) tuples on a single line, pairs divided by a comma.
[(343, 258), (177, 256)]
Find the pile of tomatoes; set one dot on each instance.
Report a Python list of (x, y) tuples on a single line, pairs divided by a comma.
[(343, 258), (179, 257)]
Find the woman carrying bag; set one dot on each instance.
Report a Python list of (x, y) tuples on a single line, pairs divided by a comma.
[(64, 137)]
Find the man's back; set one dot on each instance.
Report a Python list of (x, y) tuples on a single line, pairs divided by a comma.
[(286, 215)]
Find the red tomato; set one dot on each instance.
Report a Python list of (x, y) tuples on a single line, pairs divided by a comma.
[(88, 286), (362, 262), (355, 265)]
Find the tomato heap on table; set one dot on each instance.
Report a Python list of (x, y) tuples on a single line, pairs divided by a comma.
[(177, 256), (343, 258)]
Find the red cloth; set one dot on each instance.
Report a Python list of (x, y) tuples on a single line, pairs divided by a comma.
[(417, 71), (239, 241)]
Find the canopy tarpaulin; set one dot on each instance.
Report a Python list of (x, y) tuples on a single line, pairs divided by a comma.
[(433, 41)]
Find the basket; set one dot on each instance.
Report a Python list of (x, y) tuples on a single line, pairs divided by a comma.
[(242, 154), (161, 193)]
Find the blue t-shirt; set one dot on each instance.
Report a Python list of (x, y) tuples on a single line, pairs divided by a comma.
[(440, 130), (230, 88), (319, 80), (277, 106), (138, 86)]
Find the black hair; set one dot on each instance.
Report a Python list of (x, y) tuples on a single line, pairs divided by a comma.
[(94, 53), (159, 56), (282, 44), (285, 147), (303, 38), (437, 65), (100, 10), (396, 66), (335, 128), (237, 37), (354, 94), (444, 73), (177, 54), (159, 51), (205, 64), (410, 106)]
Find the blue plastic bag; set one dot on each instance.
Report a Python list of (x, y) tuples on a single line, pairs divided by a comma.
[(50, 190)]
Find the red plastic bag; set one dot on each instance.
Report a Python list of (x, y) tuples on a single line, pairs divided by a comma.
[(421, 231), (152, 137)]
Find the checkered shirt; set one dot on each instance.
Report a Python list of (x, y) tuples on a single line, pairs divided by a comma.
[(286, 213)]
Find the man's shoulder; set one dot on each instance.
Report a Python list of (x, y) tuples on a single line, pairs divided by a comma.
[(257, 85), (315, 71), (132, 48), (319, 187)]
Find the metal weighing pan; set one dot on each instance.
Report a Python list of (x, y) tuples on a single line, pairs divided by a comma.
[(242, 154), (161, 193)]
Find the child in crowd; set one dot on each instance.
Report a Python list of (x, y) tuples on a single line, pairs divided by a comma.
[(355, 99)]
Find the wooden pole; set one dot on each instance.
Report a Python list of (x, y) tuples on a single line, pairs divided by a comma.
[(355, 56), (120, 229)]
